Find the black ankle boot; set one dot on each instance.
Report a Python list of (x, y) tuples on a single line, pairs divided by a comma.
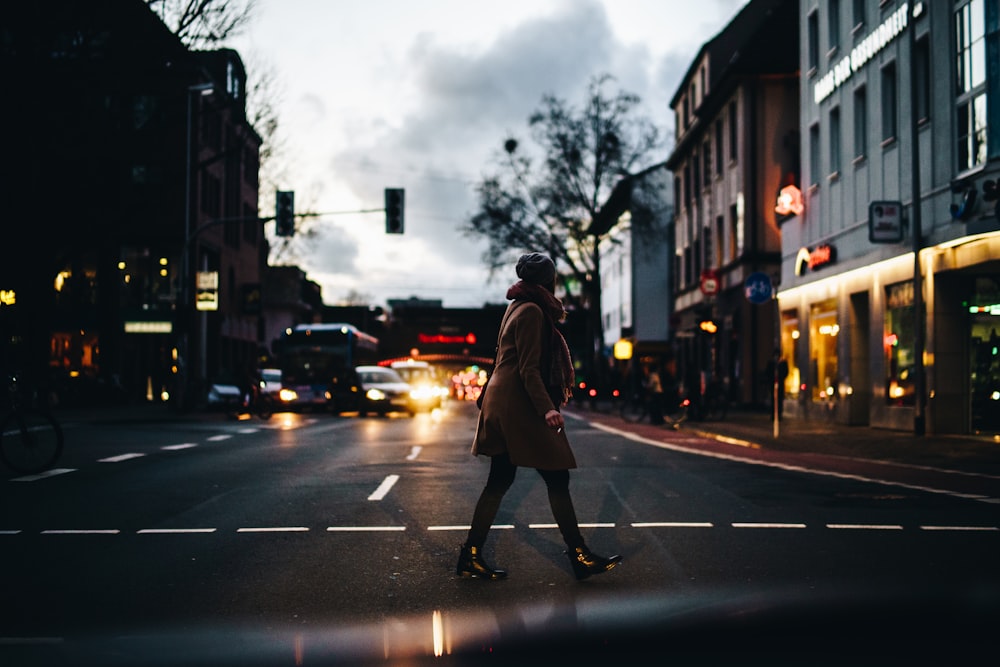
[(586, 564), (471, 564)]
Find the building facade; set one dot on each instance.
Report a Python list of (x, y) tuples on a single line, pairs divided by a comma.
[(737, 146), (134, 166), (890, 276)]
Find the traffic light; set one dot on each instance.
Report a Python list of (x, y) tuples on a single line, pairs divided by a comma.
[(284, 213), (394, 204)]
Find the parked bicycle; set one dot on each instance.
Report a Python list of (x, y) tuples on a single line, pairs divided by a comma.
[(31, 439), (635, 408)]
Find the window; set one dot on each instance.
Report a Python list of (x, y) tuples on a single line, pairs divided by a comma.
[(922, 92), (706, 155), (833, 24), (687, 186), (696, 173), (813, 28), (859, 13), (720, 231), (835, 148), (860, 123), (889, 128), (970, 84), (814, 154), (718, 147), (898, 341), (735, 233), (687, 112), (732, 131)]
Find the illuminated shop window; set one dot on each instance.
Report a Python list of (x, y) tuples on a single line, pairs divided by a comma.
[(823, 334), (898, 342), (790, 335)]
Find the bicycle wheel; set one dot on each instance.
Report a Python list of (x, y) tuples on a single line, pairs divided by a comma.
[(30, 441), (633, 411)]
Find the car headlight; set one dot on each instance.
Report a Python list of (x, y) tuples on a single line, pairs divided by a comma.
[(288, 395), (375, 395), (422, 393)]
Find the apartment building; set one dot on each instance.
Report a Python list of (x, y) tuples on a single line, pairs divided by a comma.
[(890, 274), (736, 148)]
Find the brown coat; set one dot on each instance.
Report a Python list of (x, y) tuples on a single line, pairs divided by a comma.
[(512, 419)]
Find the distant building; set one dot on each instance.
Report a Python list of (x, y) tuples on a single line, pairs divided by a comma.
[(737, 129)]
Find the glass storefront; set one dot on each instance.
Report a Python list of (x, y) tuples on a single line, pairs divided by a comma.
[(789, 344), (984, 356), (823, 331), (899, 342)]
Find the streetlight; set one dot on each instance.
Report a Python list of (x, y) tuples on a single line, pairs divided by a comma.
[(202, 89)]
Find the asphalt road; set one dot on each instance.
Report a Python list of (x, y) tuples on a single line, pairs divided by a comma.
[(308, 527)]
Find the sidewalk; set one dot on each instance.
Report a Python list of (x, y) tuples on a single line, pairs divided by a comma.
[(963, 465)]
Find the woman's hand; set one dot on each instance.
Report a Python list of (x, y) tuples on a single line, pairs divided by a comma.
[(554, 419)]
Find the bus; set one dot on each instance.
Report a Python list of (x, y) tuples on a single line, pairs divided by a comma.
[(317, 363)]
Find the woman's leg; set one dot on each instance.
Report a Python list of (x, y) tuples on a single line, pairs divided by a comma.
[(557, 483), (502, 473)]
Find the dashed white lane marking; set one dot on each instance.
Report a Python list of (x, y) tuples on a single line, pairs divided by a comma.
[(173, 531), (384, 488), (673, 524), (582, 525), (414, 453), (121, 457), (784, 466), (274, 529), (43, 475), (183, 445), (496, 526), (508, 526), (220, 437)]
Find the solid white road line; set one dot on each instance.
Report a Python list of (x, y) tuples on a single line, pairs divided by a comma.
[(43, 475), (384, 488)]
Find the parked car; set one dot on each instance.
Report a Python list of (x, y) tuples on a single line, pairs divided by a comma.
[(384, 391)]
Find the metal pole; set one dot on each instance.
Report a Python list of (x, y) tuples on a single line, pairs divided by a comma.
[(919, 421)]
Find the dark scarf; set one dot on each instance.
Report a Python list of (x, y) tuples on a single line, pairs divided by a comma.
[(560, 378)]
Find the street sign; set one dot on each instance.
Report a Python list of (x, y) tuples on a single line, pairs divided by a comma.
[(758, 288), (709, 282), (885, 222)]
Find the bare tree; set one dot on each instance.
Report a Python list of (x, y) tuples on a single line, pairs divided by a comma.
[(591, 163), (204, 23)]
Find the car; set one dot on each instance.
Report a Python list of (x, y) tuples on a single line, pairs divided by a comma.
[(427, 392), (384, 391), (270, 379)]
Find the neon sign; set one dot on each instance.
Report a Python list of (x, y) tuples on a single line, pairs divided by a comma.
[(789, 201), (816, 258)]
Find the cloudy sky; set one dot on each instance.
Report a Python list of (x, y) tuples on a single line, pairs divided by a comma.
[(421, 95)]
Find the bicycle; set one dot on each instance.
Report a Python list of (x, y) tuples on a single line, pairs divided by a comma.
[(31, 439), (258, 402), (635, 409)]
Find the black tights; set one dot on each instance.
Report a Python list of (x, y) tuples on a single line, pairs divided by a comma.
[(502, 473)]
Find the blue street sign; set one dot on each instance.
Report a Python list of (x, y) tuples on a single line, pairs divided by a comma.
[(757, 288)]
